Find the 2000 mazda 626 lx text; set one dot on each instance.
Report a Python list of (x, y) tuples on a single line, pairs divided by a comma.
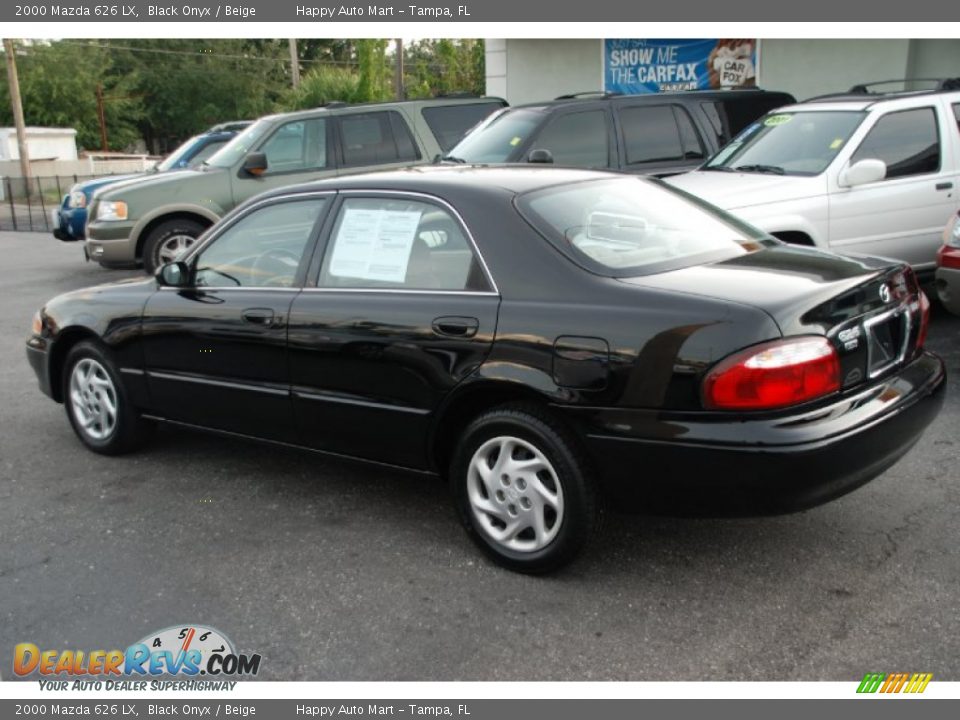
[(543, 338)]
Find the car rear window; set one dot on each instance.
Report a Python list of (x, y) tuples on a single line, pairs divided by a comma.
[(634, 226), (449, 123)]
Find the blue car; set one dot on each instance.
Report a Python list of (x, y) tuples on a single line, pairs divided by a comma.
[(70, 219)]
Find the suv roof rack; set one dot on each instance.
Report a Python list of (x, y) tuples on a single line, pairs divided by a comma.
[(865, 90), (588, 93)]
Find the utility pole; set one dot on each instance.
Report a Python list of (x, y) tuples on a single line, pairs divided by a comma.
[(398, 70), (102, 118), (294, 63), (17, 105)]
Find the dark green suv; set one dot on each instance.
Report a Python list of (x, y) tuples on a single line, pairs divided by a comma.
[(151, 220)]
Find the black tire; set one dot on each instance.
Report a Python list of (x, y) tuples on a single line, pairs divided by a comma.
[(129, 430), (581, 511), (161, 233)]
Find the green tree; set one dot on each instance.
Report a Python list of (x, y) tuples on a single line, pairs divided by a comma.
[(58, 86), (442, 67), (374, 76)]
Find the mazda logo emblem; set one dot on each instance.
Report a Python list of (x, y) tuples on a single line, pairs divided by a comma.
[(885, 293)]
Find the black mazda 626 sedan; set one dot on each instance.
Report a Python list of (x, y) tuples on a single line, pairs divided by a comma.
[(543, 338)]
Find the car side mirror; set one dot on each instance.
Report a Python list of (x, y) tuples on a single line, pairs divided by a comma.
[(540, 156), (255, 163), (175, 274), (862, 173)]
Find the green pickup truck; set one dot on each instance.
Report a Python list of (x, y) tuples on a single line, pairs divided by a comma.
[(150, 220)]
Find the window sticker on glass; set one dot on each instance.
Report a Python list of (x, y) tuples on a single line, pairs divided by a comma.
[(374, 244), (515, 141), (836, 143), (775, 120)]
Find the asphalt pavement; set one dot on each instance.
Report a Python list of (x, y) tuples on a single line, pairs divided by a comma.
[(334, 571)]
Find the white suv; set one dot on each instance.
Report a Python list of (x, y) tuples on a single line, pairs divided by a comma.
[(857, 173)]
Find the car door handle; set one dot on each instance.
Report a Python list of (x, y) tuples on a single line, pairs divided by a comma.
[(258, 316), (944, 185), (456, 326)]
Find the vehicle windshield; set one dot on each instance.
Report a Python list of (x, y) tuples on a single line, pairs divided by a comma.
[(797, 143), (497, 139), (233, 151), (635, 226), (172, 160)]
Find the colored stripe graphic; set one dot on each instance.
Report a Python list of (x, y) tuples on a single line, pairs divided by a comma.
[(891, 683)]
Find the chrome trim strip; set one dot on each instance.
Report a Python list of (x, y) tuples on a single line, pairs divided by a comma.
[(218, 288), (325, 397), (402, 291), (217, 383), (132, 371), (441, 201)]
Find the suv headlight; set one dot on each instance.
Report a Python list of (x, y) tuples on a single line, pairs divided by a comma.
[(112, 210), (78, 199)]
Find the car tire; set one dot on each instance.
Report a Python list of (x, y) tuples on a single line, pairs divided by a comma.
[(97, 403), (535, 509), (167, 240)]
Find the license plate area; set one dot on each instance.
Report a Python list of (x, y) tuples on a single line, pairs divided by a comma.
[(888, 336)]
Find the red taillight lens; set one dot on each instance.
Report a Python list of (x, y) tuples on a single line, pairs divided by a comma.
[(774, 375), (948, 257), (924, 320)]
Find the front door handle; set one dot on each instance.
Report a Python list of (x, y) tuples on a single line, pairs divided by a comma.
[(258, 316), (944, 186), (454, 326)]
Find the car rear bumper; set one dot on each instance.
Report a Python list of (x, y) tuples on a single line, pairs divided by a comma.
[(736, 465)]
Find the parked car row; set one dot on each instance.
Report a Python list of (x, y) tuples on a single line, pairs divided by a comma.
[(545, 338)]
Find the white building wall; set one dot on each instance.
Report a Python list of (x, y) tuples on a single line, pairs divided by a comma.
[(42, 144), (535, 70)]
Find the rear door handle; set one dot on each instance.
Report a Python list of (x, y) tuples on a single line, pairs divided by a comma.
[(944, 185), (453, 326), (258, 316)]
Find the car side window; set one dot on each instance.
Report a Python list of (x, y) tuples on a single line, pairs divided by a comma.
[(375, 138), (206, 151), (262, 249), (449, 123), (298, 145), (907, 141), (659, 133), (956, 114), (399, 243), (579, 139)]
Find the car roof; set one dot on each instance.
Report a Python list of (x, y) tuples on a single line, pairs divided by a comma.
[(690, 95), (443, 179), (335, 108)]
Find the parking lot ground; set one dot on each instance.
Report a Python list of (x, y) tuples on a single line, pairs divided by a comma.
[(335, 571)]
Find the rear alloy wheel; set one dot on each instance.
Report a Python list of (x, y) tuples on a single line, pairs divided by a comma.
[(168, 241), (97, 404), (523, 491)]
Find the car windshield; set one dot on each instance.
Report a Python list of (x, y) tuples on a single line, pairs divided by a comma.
[(233, 151), (172, 160), (497, 139), (789, 143), (635, 226)]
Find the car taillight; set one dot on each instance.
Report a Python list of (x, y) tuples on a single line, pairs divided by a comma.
[(774, 375), (924, 320), (948, 257)]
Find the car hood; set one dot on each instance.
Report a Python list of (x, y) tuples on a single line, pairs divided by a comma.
[(156, 182), (731, 190), (802, 289), (88, 186)]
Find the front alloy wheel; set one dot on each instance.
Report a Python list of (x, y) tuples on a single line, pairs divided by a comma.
[(93, 399)]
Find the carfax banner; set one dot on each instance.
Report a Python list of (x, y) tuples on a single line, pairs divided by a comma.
[(648, 66)]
